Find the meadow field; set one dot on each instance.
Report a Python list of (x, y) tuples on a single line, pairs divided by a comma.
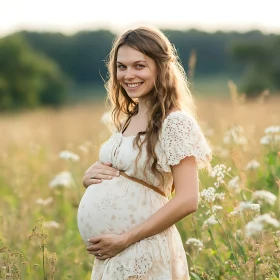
[(235, 234)]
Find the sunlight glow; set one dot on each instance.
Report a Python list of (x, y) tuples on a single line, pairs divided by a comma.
[(68, 16)]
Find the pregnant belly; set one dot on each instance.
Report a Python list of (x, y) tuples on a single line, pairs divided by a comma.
[(115, 206)]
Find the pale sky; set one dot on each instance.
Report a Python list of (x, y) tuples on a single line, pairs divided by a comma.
[(69, 16)]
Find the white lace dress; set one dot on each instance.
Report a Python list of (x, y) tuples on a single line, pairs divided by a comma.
[(117, 205)]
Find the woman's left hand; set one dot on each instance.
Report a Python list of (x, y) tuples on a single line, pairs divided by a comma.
[(107, 245)]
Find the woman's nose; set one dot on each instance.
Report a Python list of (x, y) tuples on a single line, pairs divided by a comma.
[(129, 73)]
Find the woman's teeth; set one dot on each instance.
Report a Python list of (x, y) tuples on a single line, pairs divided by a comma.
[(134, 85)]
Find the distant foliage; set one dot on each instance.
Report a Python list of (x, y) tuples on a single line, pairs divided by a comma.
[(28, 79), (262, 60), (82, 56)]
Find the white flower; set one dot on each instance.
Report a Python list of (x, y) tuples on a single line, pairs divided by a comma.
[(44, 202), (219, 171), (267, 196), (195, 243), (253, 164), (220, 196), (252, 228), (272, 130), (63, 179), (234, 183), (265, 140), (209, 222), (245, 207), (248, 206), (235, 136), (258, 223), (216, 208), (208, 194), (51, 224), (234, 213), (69, 155), (266, 218)]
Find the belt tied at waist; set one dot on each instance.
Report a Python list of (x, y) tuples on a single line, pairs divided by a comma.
[(143, 183)]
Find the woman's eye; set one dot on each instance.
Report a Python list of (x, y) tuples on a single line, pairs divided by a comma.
[(140, 66), (121, 66)]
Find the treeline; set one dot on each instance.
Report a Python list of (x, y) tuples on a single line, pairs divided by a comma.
[(49, 61)]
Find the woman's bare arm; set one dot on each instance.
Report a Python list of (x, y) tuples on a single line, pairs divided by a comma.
[(185, 202)]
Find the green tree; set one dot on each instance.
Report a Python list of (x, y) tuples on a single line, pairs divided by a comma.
[(262, 61), (27, 78)]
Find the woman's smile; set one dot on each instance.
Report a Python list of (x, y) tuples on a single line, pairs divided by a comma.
[(133, 85)]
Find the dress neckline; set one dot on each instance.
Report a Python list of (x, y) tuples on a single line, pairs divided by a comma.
[(127, 122), (129, 136)]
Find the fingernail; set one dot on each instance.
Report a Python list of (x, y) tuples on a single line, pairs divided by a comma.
[(110, 177), (118, 173)]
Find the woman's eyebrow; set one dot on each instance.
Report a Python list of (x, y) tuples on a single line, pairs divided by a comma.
[(134, 61)]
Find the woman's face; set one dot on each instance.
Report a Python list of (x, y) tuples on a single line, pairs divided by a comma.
[(136, 72)]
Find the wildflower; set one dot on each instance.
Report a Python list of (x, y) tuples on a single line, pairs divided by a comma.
[(235, 136), (195, 243), (69, 155), (252, 228), (63, 179), (248, 206), (51, 224), (265, 140), (208, 194), (216, 208), (272, 130), (44, 202), (234, 183), (220, 196), (267, 196), (219, 171), (209, 222), (234, 213), (258, 224), (253, 164)]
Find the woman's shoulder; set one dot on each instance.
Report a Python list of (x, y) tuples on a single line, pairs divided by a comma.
[(177, 116)]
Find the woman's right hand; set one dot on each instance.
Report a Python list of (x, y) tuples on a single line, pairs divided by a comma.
[(98, 172)]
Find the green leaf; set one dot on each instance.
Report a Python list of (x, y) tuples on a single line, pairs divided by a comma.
[(195, 276)]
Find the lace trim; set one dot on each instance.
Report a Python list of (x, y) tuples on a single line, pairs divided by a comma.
[(181, 137)]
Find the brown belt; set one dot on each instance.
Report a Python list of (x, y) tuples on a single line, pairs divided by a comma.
[(143, 183)]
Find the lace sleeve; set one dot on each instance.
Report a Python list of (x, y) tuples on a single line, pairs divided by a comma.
[(182, 137)]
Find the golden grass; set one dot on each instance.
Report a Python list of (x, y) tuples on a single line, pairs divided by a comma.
[(30, 144)]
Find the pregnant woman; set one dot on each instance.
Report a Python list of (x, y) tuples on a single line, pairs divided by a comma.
[(125, 216)]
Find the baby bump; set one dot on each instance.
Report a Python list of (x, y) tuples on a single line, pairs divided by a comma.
[(115, 206)]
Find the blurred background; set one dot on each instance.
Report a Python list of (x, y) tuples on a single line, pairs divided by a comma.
[(54, 53), (53, 120)]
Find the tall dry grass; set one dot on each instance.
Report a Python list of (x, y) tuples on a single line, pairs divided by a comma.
[(30, 144)]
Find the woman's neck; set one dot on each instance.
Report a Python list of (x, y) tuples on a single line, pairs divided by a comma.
[(143, 107)]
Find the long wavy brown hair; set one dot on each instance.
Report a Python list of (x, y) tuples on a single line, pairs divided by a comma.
[(171, 88)]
